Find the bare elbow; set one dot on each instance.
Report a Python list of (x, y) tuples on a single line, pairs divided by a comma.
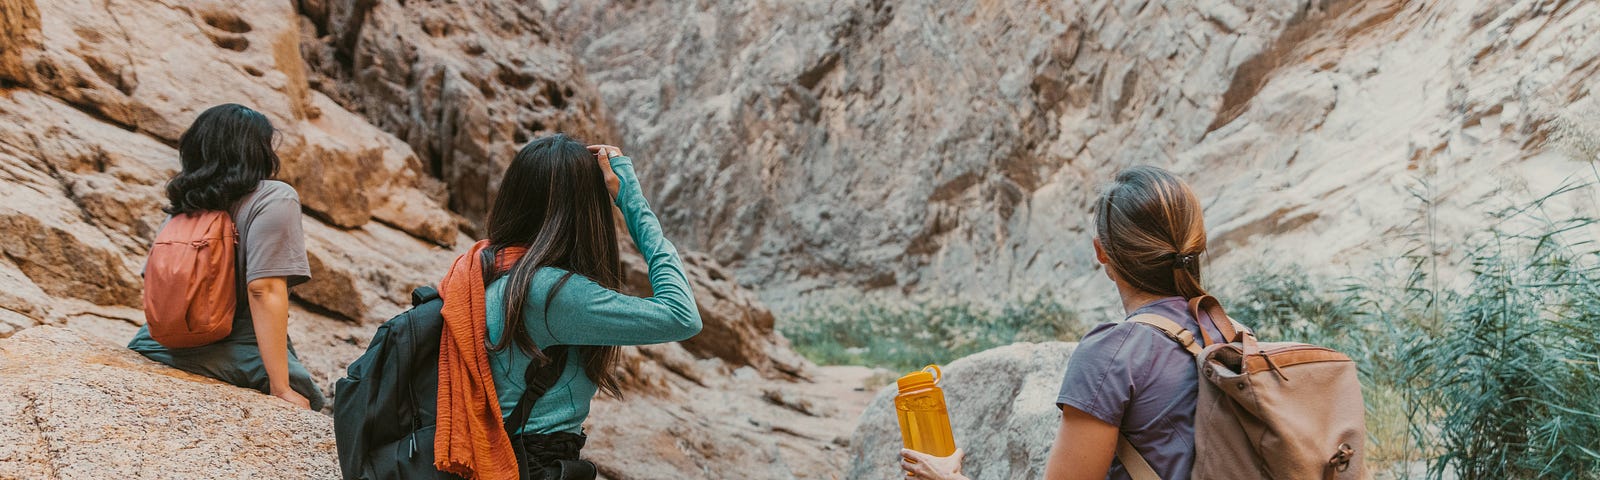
[(270, 287)]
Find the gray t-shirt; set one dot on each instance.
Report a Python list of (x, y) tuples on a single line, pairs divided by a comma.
[(1134, 377), (272, 241)]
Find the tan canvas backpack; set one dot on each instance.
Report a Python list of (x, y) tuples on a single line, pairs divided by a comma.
[(190, 288), (1269, 410)]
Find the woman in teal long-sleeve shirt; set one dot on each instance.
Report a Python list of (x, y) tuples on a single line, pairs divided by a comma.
[(557, 204)]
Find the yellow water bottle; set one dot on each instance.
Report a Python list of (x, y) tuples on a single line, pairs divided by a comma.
[(924, 421)]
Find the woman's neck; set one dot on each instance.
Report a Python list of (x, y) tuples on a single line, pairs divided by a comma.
[(1133, 298)]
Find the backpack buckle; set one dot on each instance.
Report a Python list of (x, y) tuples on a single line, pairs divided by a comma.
[(1185, 338)]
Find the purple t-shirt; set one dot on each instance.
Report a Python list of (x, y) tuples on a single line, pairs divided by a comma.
[(1132, 376)]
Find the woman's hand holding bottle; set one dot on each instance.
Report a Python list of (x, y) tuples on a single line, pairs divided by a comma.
[(923, 466)]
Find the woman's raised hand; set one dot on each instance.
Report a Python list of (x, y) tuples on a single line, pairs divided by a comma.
[(604, 153)]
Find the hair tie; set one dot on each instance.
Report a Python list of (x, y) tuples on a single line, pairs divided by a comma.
[(1182, 262)]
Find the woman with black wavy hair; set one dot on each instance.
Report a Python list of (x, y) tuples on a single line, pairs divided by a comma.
[(228, 165)]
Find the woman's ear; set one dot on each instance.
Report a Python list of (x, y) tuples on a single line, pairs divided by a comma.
[(1105, 260)]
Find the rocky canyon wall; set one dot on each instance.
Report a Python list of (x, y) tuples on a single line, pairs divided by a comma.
[(956, 147), (808, 145)]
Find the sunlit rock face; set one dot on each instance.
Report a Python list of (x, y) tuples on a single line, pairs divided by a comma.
[(957, 147)]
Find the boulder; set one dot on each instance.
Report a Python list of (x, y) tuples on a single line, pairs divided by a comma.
[(85, 201), (98, 410), (22, 303), (1002, 405), (364, 274)]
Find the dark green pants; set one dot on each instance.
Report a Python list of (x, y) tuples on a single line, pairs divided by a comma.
[(235, 359)]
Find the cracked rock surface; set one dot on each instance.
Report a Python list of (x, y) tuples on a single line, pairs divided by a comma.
[(97, 410)]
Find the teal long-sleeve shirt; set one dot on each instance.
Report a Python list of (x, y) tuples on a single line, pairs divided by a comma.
[(585, 313)]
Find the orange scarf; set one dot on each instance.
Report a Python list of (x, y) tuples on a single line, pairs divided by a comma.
[(471, 440)]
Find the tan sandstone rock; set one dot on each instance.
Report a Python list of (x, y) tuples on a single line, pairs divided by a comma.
[(151, 68), (464, 83), (97, 410), (1002, 410)]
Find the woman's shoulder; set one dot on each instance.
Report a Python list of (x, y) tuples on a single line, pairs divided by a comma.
[(547, 277), (1122, 338), (1107, 337), (274, 189)]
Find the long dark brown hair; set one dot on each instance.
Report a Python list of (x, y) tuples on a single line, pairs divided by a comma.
[(553, 200), (1149, 223)]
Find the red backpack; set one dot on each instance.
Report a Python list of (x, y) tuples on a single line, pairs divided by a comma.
[(189, 280)]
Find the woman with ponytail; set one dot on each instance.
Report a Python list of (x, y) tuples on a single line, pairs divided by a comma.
[(1127, 380)]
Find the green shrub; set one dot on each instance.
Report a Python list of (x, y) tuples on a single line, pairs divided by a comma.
[(904, 336), (1507, 385), (1498, 380), (1286, 304)]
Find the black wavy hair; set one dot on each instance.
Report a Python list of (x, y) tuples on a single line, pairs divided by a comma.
[(225, 154)]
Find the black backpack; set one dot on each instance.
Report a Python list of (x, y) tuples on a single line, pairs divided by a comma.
[(384, 408)]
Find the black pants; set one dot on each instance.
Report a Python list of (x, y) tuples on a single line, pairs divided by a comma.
[(551, 457)]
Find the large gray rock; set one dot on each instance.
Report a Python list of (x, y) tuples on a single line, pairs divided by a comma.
[(1002, 410)]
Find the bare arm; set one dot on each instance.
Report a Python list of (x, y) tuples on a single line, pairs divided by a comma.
[(1083, 449), (269, 312)]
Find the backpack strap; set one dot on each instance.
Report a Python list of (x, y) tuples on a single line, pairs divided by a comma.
[(1133, 462), (423, 294), (1232, 331), (1172, 330), (538, 380)]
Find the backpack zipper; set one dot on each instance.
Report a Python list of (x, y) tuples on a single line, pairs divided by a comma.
[(1266, 356), (1296, 347), (411, 390)]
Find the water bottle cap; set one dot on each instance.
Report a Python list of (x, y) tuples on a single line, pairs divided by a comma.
[(928, 376)]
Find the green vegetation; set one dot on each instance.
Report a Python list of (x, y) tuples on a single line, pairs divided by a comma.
[(906, 336), (1499, 379), (1512, 368)]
